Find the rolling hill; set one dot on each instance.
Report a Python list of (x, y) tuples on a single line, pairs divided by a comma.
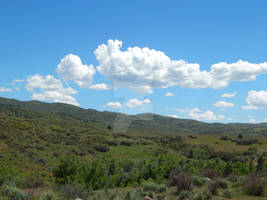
[(142, 123)]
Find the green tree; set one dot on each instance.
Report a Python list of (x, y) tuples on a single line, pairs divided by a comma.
[(66, 171)]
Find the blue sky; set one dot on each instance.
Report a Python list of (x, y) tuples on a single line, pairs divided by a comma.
[(204, 60)]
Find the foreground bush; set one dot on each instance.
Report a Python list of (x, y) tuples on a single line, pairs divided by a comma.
[(213, 187), (228, 194), (210, 173), (49, 195), (206, 195), (7, 174), (72, 191), (253, 184), (185, 195), (31, 181), (12, 193), (183, 181)]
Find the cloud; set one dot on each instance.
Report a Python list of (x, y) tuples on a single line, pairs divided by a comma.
[(252, 120), (71, 68), (203, 116), (224, 104), (135, 102), (229, 95), (256, 100), (174, 116), (48, 88), (132, 103), (169, 94), (142, 69), (3, 89), (101, 86), (114, 105), (197, 114)]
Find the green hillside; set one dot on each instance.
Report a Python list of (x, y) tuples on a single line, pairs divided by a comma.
[(75, 152), (142, 123)]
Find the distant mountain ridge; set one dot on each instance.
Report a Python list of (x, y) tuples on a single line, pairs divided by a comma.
[(143, 123)]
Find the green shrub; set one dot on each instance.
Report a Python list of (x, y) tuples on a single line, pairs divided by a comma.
[(128, 196), (202, 196), (150, 187), (198, 181), (223, 184), (233, 178), (66, 171), (48, 195), (161, 197), (12, 193), (253, 184), (210, 173), (161, 188), (213, 187), (73, 191), (7, 174), (227, 194), (184, 194), (184, 181), (31, 181)]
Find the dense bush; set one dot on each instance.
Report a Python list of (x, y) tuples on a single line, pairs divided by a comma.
[(72, 191), (253, 184), (205, 195), (246, 142), (222, 183), (185, 194), (183, 181), (31, 181), (7, 174), (48, 195), (210, 173), (150, 187), (101, 148), (199, 181), (66, 171), (227, 194), (12, 193), (213, 187)]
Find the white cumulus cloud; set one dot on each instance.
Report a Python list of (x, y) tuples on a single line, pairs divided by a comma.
[(114, 105), (174, 116), (256, 100), (229, 95), (197, 114), (224, 104), (135, 102), (71, 68), (100, 86), (143, 69), (48, 88), (169, 94), (203, 116)]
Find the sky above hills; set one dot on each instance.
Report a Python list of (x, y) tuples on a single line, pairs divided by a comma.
[(203, 60)]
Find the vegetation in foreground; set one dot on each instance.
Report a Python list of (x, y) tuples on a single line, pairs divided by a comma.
[(55, 154)]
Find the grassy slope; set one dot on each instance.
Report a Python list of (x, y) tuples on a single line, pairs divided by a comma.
[(142, 123), (34, 136)]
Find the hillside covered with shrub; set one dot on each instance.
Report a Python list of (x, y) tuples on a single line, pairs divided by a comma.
[(59, 151)]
